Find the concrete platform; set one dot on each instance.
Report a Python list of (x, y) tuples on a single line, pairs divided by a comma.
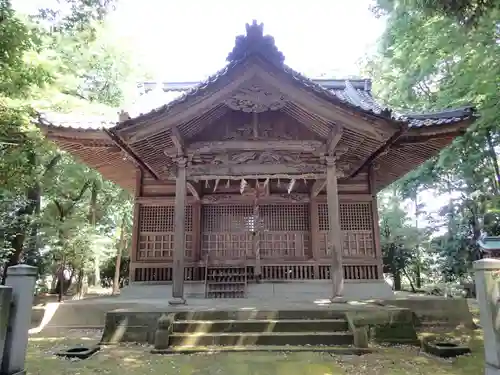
[(91, 313)]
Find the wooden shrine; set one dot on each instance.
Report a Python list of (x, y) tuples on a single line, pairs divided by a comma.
[(258, 176)]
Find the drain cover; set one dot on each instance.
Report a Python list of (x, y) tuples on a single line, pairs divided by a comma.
[(445, 349), (80, 352)]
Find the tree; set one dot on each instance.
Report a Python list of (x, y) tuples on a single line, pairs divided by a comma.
[(54, 212), (427, 61), (465, 12)]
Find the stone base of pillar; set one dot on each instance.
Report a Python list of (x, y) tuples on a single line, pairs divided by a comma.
[(339, 299), (491, 370), (177, 301)]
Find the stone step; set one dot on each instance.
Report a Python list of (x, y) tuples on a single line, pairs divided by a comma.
[(340, 350), (260, 315), (252, 338), (285, 325)]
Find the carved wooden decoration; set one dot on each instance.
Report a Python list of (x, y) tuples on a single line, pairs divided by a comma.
[(255, 98)]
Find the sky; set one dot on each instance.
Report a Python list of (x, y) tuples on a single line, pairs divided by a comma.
[(190, 39)]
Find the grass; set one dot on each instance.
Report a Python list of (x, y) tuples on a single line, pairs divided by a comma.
[(137, 360)]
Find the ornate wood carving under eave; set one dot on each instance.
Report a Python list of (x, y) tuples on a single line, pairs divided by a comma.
[(255, 97), (285, 145)]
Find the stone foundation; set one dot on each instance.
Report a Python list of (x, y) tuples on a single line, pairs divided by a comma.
[(288, 290)]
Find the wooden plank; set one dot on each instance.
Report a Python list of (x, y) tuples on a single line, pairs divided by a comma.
[(224, 146)]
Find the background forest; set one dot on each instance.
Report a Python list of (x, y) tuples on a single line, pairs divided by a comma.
[(59, 215)]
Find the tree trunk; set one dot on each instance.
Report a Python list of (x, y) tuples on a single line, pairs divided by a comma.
[(61, 279), (412, 286), (121, 245), (397, 280), (92, 221)]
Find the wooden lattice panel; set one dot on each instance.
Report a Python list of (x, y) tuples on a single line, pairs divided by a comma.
[(227, 231), (356, 223), (285, 217), (353, 216), (285, 231), (156, 232)]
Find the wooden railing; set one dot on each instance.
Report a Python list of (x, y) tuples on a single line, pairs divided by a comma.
[(270, 272), (357, 243)]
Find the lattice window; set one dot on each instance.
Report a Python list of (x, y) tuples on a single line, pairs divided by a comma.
[(286, 217), (323, 217), (356, 216), (156, 237), (226, 218), (353, 216), (227, 231), (161, 218)]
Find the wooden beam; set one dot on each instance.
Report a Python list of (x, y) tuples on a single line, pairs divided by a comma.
[(334, 139), (255, 171), (317, 187), (177, 141), (193, 190), (223, 146)]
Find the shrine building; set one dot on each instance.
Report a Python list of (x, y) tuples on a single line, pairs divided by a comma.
[(259, 182)]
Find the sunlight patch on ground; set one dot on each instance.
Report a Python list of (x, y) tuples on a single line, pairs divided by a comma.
[(132, 359), (50, 311)]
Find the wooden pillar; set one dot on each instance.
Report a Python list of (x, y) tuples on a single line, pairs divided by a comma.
[(376, 225), (134, 248), (179, 234), (334, 233), (196, 207), (314, 243)]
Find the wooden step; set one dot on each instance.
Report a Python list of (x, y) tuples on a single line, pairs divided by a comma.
[(257, 339), (268, 325)]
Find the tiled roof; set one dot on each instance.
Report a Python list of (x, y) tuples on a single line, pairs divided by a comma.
[(355, 92), (489, 243), (352, 93), (76, 121)]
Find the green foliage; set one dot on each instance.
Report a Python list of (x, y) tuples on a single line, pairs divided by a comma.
[(48, 214), (427, 61), (465, 12)]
